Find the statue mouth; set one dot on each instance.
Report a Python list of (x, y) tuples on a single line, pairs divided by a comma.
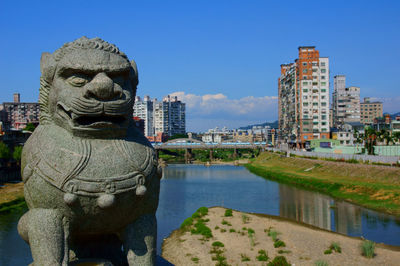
[(98, 120)]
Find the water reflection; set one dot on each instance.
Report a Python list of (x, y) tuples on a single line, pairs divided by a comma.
[(185, 188), (320, 210)]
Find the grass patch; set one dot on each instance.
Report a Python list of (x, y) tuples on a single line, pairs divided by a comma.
[(232, 230), (187, 223), (228, 213), (262, 255), (356, 183), (273, 234), (218, 244), (201, 229), (281, 251), (251, 234), (279, 261), (321, 263), (279, 243), (226, 223), (244, 257), (245, 218), (335, 246), (14, 205), (195, 260), (368, 249)]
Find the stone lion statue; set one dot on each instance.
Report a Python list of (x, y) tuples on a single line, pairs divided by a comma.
[(91, 179)]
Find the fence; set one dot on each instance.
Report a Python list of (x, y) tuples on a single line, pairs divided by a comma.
[(358, 157)]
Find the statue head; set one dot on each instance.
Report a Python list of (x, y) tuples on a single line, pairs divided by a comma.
[(88, 87)]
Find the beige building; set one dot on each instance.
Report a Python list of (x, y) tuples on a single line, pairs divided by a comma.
[(370, 111)]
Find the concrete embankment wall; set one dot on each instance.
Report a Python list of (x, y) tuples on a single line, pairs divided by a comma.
[(359, 157)]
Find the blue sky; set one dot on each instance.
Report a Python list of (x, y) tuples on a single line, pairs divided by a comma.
[(222, 57)]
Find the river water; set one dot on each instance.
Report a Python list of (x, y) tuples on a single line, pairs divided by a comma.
[(185, 188)]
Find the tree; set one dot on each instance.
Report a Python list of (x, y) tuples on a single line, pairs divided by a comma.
[(4, 151), (17, 153), (370, 137), (30, 127)]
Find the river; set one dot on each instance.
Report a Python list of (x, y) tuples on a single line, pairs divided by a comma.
[(185, 188)]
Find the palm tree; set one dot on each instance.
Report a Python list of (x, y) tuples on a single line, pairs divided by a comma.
[(370, 137)]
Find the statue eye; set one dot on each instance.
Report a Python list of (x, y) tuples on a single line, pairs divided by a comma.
[(78, 80)]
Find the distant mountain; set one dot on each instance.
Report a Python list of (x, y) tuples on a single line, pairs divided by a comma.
[(271, 124), (393, 116)]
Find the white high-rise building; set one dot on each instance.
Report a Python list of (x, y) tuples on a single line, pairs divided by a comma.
[(144, 110), (166, 116), (345, 102)]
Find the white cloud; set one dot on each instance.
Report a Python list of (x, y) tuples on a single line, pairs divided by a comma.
[(210, 110)]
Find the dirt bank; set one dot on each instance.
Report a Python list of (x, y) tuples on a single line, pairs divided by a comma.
[(240, 239)]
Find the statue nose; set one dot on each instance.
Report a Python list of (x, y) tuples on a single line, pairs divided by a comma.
[(102, 87)]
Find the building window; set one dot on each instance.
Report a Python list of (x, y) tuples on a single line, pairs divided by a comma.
[(323, 90), (322, 63), (305, 70), (322, 77), (305, 90)]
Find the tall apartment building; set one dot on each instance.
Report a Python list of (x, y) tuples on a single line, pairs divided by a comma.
[(345, 102), (144, 110), (167, 116), (303, 92), (370, 111), (17, 114)]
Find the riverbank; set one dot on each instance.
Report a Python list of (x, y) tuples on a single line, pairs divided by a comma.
[(216, 236), (11, 196), (372, 186)]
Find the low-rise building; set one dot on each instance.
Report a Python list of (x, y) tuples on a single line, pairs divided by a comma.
[(17, 114), (370, 110)]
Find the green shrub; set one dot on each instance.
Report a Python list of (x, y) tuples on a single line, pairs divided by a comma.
[(262, 255), (328, 251), (216, 228), (223, 230), (232, 230), (279, 243), (195, 260), (244, 257), (321, 263), (279, 261), (187, 222), (228, 213), (335, 247), (218, 244), (368, 249), (201, 229)]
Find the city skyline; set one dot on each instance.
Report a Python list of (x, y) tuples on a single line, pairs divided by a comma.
[(218, 57)]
